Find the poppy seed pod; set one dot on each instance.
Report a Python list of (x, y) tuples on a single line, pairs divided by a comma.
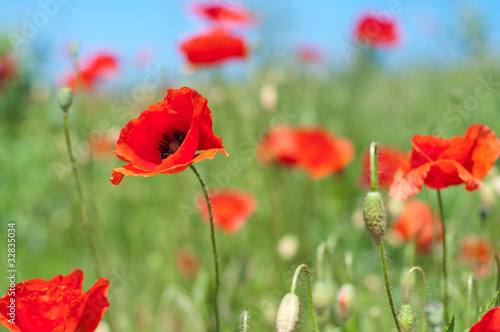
[(65, 98), (288, 313), (375, 216), (405, 317)]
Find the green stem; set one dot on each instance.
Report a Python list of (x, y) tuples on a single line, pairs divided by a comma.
[(374, 167), (244, 321), (469, 298), (387, 286), (445, 271), (422, 274), (320, 257), (214, 245), (497, 260), (309, 290), (85, 220)]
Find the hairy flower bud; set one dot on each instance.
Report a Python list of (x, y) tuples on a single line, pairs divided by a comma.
[(65, 98), (405, 317), (346, 301), (375, 216), (288, 313)]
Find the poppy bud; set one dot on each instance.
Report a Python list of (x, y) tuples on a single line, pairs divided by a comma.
[(405, 317), (287, 246), (288, 313), (322, 294), (73, 48), (65, 98), (375, 216), (346, 299)]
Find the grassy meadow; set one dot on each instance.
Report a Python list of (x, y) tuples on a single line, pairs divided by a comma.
[(141, 224)]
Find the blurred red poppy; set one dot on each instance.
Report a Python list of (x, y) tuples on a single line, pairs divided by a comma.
[(103, 143), (315, 150), (8, 69), (415, 223), (322, 153), (57, 304), (392, 163), (187, 262), (223, 12), (477, 253), (231, 208), (309, 54), (376, 31), (98, 66), (489, 323), (165, 138), (439, 162), (278, 147), (213, 47)]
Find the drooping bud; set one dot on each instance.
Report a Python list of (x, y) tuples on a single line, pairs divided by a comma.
[(65, 98), (288, 313), (346, 301), (375, 216), (405, 318)]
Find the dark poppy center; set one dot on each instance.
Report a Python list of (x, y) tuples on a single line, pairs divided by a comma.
[(170, 143)]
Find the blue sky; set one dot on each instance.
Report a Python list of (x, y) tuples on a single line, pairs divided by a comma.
[(128, 26)]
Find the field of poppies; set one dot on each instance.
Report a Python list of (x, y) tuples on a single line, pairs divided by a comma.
[(355, 199)]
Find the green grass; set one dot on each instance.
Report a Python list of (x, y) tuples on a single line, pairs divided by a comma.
[(143, 221)]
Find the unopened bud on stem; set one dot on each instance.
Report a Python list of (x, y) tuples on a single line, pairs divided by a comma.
[(65, 98), (405, 318), (288, 313), (375, 216)]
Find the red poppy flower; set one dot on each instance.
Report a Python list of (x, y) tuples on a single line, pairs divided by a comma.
[(315, 150), (439, 162), (187, 263), (93, 69), (222, 12), (165, 138), (231, 208), (213, 47), (376, 31), (476, 253), (102, 144), (278, 146), (8, 69), (489, 323), (415, 223), (57, 304), (309, 54), (392, 163)]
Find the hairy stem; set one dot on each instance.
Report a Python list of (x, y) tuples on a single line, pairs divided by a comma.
[(83, 205), (422, 274), (309, 291), (387, 286), (214, 245), (443, 264), (374, 166)]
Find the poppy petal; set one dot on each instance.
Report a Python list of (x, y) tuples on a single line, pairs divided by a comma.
[(410, 184), (489, 323), (95, 306), (486, 150)]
